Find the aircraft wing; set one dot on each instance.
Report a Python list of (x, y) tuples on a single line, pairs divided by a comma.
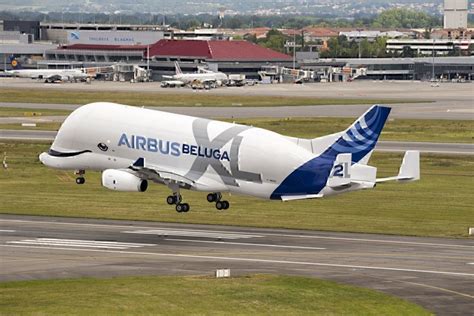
[(159, 175)]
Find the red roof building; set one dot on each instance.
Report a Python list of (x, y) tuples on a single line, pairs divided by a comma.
[(215, 50)]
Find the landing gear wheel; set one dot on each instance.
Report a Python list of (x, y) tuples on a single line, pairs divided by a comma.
[(226, 205), (214, 197), (186, 207), (80, 180), (171, 199), (222, 205), (182, 208)]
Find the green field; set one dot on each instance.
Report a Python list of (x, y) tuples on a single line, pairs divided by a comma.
[(395, 130), (173, 99), (438, 205), (19, 112), (247, 295)]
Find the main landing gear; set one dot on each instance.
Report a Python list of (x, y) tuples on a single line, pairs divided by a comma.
[(217, 197), (80, 176), (176, 199)]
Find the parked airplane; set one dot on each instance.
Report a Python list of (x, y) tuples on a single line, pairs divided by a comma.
[(132, 146), (48, 75), (203, 76)]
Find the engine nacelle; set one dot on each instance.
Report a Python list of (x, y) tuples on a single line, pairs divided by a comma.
[(119, 180)]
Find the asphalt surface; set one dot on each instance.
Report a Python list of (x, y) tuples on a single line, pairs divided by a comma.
[(436, 273), (382, 146), (446, 110)]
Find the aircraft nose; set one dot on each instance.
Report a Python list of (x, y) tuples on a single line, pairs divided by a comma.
[(43, 157)]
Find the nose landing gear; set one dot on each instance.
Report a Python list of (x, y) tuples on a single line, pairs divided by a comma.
[(80, 179)]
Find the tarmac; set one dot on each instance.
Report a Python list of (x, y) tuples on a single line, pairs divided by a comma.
[(437, 273)]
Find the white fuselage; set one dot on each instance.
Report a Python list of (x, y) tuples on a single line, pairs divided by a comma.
[(63, 74), (209, 76), (243, 160), (135, 144)]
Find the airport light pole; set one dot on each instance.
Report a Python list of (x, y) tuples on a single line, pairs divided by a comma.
[(433, 62), (148, 62), (294, 50)]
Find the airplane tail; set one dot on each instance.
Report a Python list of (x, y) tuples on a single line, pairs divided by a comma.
[(359, 139), (14, 62), (177, 68)]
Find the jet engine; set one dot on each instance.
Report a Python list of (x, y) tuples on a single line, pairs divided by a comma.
[(119, 180)]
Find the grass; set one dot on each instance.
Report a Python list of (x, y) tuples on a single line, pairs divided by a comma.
[(18, 112), (161, 295), (440, 204), (395, 130), (173, 99)]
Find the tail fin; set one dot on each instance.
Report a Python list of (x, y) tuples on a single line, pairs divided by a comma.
[(14, 62), (361, 137), (177, 68)]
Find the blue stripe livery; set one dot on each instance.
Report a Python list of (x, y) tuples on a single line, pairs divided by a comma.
[(359, 140)]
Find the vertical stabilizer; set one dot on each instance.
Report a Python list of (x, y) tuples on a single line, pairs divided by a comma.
[(177, 68), (361, 137)]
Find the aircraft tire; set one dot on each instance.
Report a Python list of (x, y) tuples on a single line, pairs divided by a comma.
[(171, 199), (186, 207), (80, 180)]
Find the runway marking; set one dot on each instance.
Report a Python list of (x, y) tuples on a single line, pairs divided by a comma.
[(303, 263), (7, 231), (263, 234), (374, 240), (79, 243), (470, 263), (245, 244), (438, 288), (192, 233)]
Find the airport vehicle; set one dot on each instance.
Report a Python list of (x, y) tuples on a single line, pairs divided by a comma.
[(204, 77), (133, 146), (172, 84)]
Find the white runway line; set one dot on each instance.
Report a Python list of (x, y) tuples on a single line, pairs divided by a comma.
[(78, 243), (256, 260), (245, 244), (192, 233), (7, 231), (375, 240)]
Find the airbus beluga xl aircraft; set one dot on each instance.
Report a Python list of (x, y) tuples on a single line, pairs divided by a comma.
[(134, 146)]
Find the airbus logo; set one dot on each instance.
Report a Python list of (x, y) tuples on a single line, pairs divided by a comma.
[(166, 147)]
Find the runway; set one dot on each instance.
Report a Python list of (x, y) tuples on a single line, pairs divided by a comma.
[(382, 146), (436, 273)]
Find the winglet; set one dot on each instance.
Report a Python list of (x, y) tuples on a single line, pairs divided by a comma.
[(140, 163)]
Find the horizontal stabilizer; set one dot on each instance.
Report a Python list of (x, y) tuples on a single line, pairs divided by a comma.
[(300, 197), (409, 170)]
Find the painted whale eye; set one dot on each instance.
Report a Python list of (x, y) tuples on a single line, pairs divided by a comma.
[(102, 146)]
